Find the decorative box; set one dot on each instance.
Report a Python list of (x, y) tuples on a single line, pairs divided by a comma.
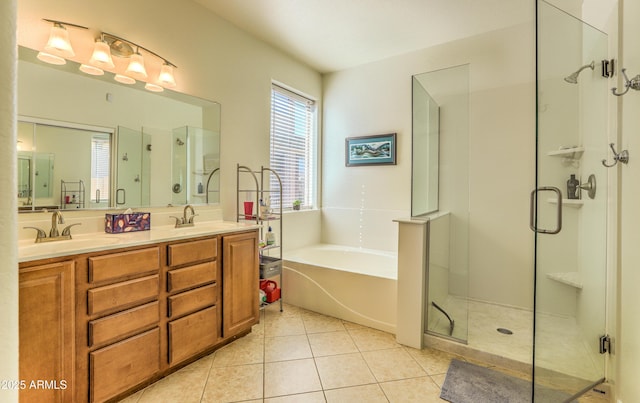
[(120, 223)]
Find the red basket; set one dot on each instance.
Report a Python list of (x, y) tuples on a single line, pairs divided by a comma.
[(270, 288)]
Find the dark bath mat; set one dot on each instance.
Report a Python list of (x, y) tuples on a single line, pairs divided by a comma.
[(469, 383)]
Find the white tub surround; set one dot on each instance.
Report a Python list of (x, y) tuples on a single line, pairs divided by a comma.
[(354, 284), (412, 261)]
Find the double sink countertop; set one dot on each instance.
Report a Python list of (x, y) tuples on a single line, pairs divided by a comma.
[(28, 250)]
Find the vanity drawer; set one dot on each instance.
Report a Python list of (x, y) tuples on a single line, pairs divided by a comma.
[(119, 265), (191, 301), (122, 295), (123, 323), (192, 334), (192, 276), (123, 365), (191, 252)]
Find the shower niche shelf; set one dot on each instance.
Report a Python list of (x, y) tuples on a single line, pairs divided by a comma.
[(574, 153), (571, 278), (568, 202)]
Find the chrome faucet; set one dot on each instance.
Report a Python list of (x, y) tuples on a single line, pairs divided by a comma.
[(185, 220), (56, 218), (188, 220), (54, 233)]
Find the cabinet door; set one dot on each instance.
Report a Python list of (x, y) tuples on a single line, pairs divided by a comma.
[(46, 332), (240, 275)]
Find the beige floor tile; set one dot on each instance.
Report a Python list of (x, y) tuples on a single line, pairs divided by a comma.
[(338, 371), (133, 398), (364, 394), (419, 390), (316, 323), (283, 326), (331, 343), (290, 377), (247, 350), (286, 348), (228, 384), (185, 385), (313, 397), (392, 364), (439, 379), (367, 339), (431, 360), (352, 326)]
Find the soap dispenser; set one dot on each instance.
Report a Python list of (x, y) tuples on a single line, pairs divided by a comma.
[(572, 188), (270, 237)]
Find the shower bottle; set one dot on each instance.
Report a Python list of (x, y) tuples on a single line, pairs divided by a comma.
[(572, 187)]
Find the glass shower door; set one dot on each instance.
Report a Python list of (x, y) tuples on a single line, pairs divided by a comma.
[(569, 205)]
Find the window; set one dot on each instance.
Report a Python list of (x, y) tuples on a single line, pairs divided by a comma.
[(292, 148), (100, 158)]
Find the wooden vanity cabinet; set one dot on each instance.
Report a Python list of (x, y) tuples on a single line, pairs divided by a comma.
[(193, 308), (46, 326), (111, 322), (122, 321), (240, 282)]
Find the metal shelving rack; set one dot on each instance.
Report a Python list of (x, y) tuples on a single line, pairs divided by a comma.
[(270, 255), (72, 189)]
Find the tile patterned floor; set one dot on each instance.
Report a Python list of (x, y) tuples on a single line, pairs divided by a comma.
[(301, 356)]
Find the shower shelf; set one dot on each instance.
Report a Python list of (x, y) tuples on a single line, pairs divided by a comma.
[(568, 202), (571, 278), (574, 153)]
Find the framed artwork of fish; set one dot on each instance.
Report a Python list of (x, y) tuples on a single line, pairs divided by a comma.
[(370, 150)]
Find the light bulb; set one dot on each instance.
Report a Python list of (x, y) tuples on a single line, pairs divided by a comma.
[(101, 56), (136, 67), (51, 59), (124, 79), (153, 87), (92, 70), (166, 77), (59, 44)]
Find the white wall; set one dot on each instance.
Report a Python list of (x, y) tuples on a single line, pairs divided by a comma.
[(215, 61), (376, 98), (8, 182)]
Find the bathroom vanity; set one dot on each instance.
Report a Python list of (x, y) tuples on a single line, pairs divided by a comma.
[(114, 313)]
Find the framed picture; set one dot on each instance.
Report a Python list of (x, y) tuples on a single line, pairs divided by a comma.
[(371, 150)]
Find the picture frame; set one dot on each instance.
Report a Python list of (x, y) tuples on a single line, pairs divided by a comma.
[(370, 150)]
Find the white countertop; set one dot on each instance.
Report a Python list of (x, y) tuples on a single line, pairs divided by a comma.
[(28, 250)]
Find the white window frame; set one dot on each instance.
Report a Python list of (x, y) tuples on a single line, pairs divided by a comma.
[(279, 143)]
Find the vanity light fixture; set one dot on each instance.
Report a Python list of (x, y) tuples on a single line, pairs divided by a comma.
[(166, 75), (136, 66), (100, 58), (58, 49)]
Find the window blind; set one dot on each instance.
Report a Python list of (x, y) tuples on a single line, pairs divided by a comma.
[(100, 161), (292, 148)]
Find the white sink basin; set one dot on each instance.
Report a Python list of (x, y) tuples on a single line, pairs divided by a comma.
[(28, 249)]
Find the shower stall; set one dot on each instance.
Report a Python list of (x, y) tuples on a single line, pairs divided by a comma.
[(559, 333)]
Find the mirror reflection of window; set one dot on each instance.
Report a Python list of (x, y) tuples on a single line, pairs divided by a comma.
[(100, 172)]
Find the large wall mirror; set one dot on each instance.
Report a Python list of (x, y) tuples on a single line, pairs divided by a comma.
[(90, 142)]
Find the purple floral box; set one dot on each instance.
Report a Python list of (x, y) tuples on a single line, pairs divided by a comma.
[(120, 223)]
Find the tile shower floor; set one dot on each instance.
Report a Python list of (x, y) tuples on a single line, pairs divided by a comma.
[(301, 356), (561, 346)]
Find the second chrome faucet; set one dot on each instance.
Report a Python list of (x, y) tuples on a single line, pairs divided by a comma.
[(187, 220)]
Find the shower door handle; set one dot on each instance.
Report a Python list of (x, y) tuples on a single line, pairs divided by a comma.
[(533, 210)]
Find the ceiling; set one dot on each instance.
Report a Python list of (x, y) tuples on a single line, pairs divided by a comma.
[(332, 35)]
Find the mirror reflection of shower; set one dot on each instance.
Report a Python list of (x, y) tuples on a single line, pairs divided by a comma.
[(573, 78)]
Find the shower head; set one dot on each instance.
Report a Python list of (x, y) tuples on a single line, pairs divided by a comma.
[(573, 78)]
